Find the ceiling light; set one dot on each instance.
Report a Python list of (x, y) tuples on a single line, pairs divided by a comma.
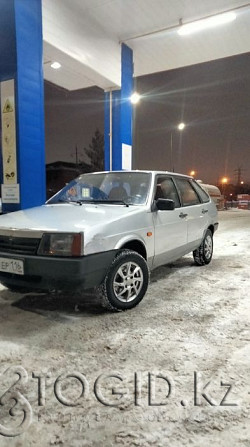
[(209, 22), (135, 98), (56, 65)]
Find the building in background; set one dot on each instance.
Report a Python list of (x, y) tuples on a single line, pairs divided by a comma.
[(59, 173)]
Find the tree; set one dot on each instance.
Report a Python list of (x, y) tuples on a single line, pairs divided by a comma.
[(95, 152)]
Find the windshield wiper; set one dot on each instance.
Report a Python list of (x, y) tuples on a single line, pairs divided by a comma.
[(79, 202), (119, 202)]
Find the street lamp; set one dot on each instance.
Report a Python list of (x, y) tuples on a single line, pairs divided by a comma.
[(192, 173), (180, 127)]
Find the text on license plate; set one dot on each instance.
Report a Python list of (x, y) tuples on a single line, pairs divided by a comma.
[(11, 266)]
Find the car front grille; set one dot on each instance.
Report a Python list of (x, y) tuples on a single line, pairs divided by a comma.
[(19, 245)]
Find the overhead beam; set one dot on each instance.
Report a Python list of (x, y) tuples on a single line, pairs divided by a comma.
[(88, 55)]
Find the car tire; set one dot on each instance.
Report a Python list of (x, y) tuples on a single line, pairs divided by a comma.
[(125, 283), (203, 254)]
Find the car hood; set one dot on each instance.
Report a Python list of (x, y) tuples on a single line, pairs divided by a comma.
[(66, 217)]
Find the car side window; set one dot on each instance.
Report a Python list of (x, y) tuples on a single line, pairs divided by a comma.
[(188, 195), (165, 189), (201, 192)]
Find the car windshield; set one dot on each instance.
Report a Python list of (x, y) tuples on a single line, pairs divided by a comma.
[(129, 188)]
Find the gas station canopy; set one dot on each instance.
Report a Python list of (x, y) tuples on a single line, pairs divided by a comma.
[(85, 37)]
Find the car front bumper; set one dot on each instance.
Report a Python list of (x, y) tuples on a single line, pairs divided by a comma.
[(46, 273)]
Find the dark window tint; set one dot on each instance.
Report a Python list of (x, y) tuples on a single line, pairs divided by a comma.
[(203, 195), (165, 189), (187, 193)]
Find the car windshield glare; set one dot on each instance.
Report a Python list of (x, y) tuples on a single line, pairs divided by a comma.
[(130, 188)]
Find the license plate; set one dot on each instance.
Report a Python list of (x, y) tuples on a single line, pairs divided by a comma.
[(11, 266)]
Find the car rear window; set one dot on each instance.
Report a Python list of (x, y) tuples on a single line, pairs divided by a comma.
[(201, 192), (187, 193)]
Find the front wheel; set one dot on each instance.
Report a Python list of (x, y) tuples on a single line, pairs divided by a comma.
[(204, 253), (126, 281)]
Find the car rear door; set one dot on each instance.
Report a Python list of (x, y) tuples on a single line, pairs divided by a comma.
[(194, 210), (170, 226)]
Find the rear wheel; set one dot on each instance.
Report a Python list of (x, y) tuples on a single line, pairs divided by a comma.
[(204, 253), (126, 281)]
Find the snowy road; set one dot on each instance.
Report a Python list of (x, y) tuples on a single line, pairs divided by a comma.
[(191, 328)]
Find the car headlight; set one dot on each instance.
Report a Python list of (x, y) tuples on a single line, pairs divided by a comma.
[(61, 244)]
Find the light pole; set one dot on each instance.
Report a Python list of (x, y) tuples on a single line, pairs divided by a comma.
[(180, 127), (224, 182), (171, 152)]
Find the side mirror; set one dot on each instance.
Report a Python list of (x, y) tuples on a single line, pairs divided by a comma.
[(165, 204)]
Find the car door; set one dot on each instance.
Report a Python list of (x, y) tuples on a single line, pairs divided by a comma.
[(194, 210), (170, 233)]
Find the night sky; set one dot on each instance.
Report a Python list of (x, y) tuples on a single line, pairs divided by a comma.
[(71, 119), (212, 99)]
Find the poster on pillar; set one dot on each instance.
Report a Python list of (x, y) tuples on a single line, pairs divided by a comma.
[(8, 121), (126, 157)]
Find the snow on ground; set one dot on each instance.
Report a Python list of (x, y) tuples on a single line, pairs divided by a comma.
[(193, 322)]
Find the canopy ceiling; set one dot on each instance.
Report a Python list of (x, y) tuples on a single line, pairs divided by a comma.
[(85, 37)]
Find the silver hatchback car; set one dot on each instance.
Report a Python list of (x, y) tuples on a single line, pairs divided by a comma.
[(107, 230)]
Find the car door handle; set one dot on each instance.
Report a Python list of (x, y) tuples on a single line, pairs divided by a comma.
[(182, 215), (204, 211)]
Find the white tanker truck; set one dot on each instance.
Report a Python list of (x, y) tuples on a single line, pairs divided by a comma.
[(214, 193)]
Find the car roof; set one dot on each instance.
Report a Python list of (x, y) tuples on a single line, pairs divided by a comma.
[(174, 174)]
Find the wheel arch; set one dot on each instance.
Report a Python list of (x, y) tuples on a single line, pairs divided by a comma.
[(134, 244), (211, 228)]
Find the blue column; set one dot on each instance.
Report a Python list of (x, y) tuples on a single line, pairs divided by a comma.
[(24, 64), (126, 92), (122, 113)]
